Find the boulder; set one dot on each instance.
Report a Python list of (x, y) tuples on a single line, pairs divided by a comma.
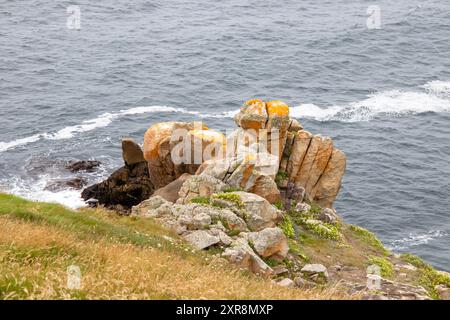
[(128, 186), (259, 213), (253, 115), (201, 239), (241, 254), (171, 191), (270, 242), (202, 185), (131, 152)]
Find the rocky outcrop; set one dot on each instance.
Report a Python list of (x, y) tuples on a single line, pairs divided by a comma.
[(241, 224), (244, 174), (126, 187)]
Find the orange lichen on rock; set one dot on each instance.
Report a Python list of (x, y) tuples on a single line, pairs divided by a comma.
[(277, 108)]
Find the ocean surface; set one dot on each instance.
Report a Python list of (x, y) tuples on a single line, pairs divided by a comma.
[(382, 94)]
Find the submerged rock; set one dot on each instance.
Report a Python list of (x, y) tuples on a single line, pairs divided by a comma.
[(69, 183), (84, 165)]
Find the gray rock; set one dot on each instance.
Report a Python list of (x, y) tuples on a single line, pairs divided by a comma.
[(241, 254), (303, 283), (201, 239), (270, 242), (316, 272), (303, 207), (202, 185), (259, 213), (286, 282), (155, 206), (328, 215)]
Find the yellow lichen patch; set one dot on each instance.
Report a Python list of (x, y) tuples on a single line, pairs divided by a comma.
[(255, 106), (154, 136), (277, 108)]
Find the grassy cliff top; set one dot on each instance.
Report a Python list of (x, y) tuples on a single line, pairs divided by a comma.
[(119, 258)]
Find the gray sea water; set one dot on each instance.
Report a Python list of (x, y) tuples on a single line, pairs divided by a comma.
[(382, 94)]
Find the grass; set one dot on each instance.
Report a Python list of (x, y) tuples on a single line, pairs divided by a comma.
[(369, 238), (288, 227), (119, 258)]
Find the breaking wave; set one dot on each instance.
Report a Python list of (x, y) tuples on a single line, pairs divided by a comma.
[(414, 240)]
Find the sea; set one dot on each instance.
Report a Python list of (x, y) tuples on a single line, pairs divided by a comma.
[(77, 76)]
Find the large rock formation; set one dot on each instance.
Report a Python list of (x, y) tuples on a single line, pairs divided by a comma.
[(269, 155)]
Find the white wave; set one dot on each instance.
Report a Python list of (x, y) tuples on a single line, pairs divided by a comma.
[(437, 87), (12, 144), (101, 121), (414, 240), (393, 103), (35, 191)]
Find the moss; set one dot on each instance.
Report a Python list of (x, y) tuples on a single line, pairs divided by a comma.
[(230, 197), (233, 233), (232, 189), (288, 227), (430, 278), (281, 177), (386, 267), (278, 205), (369, 238), (201, 200), (322, 229), (414, 260)]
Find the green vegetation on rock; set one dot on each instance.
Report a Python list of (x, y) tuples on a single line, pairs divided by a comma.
[(287, 226), (386, 267), (230, 197)]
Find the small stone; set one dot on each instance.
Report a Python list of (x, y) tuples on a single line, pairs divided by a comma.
[(279, 270), (444, 292), (318, 272), (286, 282), (328, 215)]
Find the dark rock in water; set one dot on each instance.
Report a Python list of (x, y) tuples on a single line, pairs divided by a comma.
[(61, 184), (170, 192), (128, 186), (131, 152), (84, 165)]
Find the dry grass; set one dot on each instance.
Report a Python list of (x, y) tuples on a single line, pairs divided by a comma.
[(37, 247)]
